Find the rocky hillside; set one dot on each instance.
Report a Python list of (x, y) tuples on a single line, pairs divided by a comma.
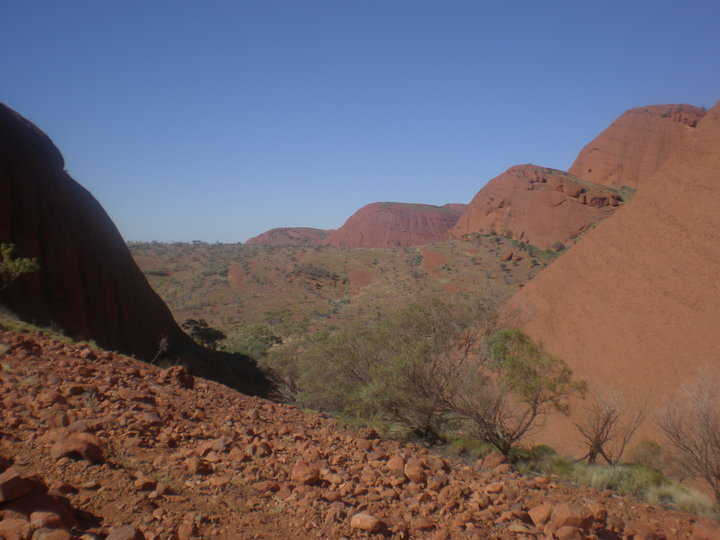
[(99, 446), (390, 224), (635, 305), (89, 284), (636, 144), (537, 205), (290, 236)]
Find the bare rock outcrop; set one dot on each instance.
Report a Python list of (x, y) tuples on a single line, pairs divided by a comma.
[(635, 305), (290, 236), (88, 283), (392, 224), (538, 205), (636, 145)]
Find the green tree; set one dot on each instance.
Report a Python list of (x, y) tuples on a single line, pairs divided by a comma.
[(12, 267), (203, 333), (253, 340)]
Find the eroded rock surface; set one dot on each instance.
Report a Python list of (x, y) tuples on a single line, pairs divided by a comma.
[(391, 224), (290, 236), (634, 307), (636, 145), (538, 205)]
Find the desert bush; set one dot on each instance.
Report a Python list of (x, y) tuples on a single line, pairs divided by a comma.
[(253, 340), (11, 267), (606, 426), (648, 454), (682, 498), (691, 422), (435, 367), (202, 332)]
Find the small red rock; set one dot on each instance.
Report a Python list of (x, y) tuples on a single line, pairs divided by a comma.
[(366, 522), (125, 532), (79, 445)]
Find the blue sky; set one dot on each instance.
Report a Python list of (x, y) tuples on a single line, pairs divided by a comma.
[(217, 120)]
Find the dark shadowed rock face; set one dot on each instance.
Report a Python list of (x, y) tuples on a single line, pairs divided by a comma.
[(290, 236), (89, 284), (391, 224), (537, 205), (636, 144)]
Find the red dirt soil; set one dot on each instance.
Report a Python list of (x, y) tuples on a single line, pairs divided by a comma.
[(88, 284), (635, 305), (391, 224), (537, 205), (636, 144), (290, 236), (99, 446)]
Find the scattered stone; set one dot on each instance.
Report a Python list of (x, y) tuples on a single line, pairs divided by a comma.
[(125, 532), (80, 446), (366, 522)]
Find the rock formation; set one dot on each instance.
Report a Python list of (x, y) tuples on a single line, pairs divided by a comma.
[(635, 305), (537, 205), (636, 144), (290, 236), (392, 224), (88, 283)]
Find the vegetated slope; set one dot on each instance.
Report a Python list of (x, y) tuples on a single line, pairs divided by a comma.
[(392, 224), (310, 288), (290, 236), (635, 305), (108, 447), (538, 205), (88, 284), (636, 144)]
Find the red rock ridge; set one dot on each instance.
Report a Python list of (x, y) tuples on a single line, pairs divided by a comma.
[(636, 144), (89, 284), (290, 236), (635, 306), (392, 224), (537, 205)]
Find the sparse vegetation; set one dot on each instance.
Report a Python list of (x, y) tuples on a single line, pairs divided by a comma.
[(606, 426), (203, 333), (642, 482), (12, 267), (691, 422), (433, 367)]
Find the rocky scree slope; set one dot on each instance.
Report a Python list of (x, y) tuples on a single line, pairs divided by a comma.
[(88, 283), (392, 224), (95, 445), (635, 306), (290, 236), (636, 145), (538, 205)]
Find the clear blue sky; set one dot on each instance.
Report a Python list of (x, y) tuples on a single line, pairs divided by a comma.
[(218, 120)]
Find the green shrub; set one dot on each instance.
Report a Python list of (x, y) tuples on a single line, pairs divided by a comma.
[(435, 367), (648, 454), (253, 340), (11, 267)]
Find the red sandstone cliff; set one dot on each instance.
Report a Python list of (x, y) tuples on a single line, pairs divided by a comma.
[(390, 224), (537, 205), (290, 236), (88, 284), (635, 305), (636, 144)]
